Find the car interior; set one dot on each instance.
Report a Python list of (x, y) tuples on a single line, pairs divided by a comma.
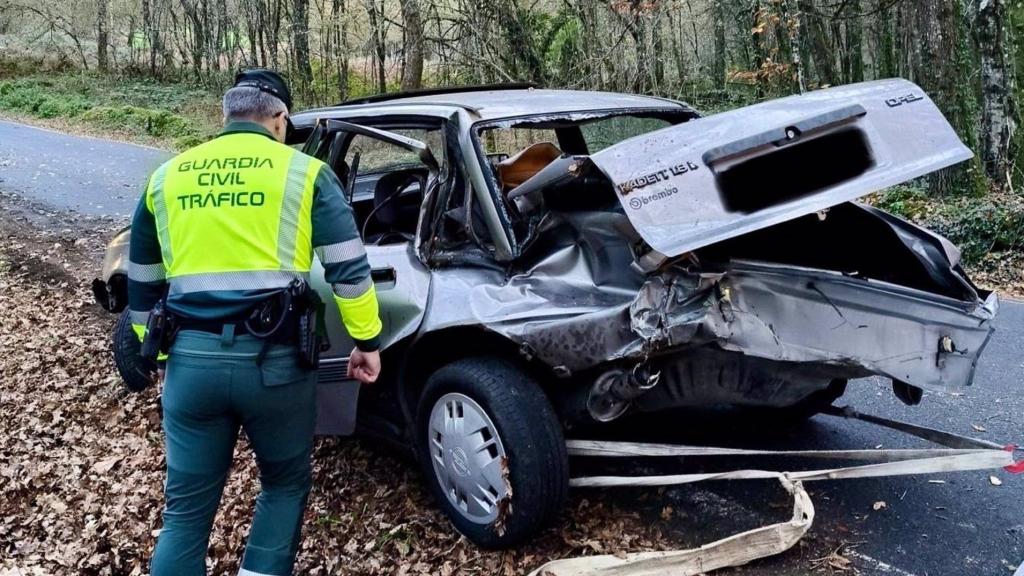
[(543, 164), (384, 182)]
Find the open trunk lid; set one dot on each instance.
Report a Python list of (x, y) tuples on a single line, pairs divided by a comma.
[(714, 178)]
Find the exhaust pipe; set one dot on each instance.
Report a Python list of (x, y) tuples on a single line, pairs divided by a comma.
[(614, 391)]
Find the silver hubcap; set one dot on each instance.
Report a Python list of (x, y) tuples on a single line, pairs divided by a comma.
[(467, 455)]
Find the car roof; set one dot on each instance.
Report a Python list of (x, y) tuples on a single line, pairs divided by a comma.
[(495, 104)]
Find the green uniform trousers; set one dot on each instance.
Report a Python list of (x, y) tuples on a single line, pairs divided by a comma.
[(213, 387)]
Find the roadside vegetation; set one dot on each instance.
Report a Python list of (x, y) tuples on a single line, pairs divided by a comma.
[(172, 115), (152, 71)]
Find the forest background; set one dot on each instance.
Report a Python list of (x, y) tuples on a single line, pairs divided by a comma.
[(152, 70)]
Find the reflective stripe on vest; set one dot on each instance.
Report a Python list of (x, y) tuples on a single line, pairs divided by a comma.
[(158, 207), (248, 280), (234, 214)]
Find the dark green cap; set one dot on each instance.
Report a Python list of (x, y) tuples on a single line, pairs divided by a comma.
[(265, 81)]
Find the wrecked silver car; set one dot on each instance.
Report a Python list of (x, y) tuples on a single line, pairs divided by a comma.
[(547, 258)]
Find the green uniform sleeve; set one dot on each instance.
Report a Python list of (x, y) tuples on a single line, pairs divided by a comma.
[(341, 251), (146, 276)]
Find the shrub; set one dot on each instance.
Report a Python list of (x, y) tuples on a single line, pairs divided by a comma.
[(71, 107), (133, 119), (980, 226)]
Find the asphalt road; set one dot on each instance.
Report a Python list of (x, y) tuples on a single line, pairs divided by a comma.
[(88, 175), (965, 525)]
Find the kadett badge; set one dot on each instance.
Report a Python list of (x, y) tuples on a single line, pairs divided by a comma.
[(655, 177)]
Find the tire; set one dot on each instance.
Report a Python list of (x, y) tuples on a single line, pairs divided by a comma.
[(507, 405), (135, 371)]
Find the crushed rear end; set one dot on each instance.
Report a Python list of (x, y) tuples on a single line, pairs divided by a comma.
[(759, 280)]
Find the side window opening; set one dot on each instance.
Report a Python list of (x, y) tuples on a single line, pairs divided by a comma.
[(389, 180)]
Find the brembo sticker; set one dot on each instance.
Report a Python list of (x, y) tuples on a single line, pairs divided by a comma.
[(638, 202)]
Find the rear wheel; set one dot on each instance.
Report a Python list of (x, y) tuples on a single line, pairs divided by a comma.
[(492, 451), (135, 371)]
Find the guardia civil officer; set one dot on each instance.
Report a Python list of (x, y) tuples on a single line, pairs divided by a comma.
[(223, 229)]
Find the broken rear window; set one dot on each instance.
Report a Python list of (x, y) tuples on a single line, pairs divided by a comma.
[(602, 133)]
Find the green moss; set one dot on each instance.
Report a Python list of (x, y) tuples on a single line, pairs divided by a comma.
[(981, 226), (189, 141), (133, 119), (908, 202)]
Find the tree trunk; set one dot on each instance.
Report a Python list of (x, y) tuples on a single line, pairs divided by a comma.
[(998, 123), (943, 70), (757, 42), (102, 34), (791, 27), (854, 42), (300, 39), (821, 50), (718, 17), (149, 26), (412, 77), (885, 30), (341, 45), (377, 42)]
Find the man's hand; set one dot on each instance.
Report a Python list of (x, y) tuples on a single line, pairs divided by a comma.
[(364, 366)]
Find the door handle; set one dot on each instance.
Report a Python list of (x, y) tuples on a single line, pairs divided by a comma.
[(384, 277)]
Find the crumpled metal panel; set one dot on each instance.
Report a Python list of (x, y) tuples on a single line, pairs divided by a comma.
[(576, 304), (578, 266), (789, 314), (670, 192)]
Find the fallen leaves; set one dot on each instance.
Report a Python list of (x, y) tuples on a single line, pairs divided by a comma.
[(81, 460), (834, 561), (104, 466)]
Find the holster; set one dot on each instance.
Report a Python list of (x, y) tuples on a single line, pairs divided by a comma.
[(159, 333), (310, 330)]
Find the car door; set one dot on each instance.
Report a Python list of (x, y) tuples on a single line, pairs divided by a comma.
[(402, 282)]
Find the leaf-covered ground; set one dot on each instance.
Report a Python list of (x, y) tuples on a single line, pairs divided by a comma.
[(81, 462)]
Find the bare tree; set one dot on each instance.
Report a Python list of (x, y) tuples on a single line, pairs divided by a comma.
[(998, 118), (300, 42), (412, 67), (102, 34)]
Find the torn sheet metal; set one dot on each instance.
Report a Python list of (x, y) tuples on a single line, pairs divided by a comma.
[(721, 176), (764, 334), (788, 314)]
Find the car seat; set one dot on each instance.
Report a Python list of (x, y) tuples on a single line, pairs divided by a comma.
[(391, 215)]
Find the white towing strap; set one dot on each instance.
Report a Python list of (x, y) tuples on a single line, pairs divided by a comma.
[(962, 454)]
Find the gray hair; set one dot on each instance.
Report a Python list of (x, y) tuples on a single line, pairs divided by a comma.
[(248, 103)]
